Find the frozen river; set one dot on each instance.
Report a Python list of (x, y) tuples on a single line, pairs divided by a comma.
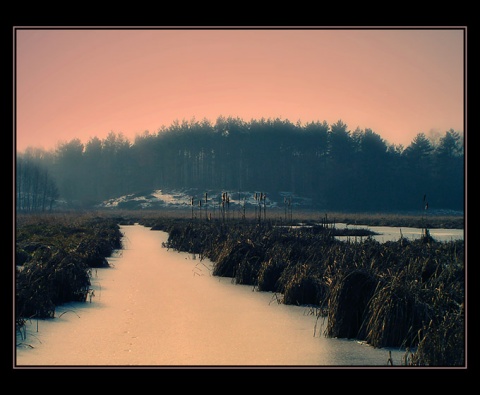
[(392, 233), (158, 307)]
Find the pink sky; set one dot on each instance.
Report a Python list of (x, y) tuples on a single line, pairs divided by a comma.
[(81, 83)]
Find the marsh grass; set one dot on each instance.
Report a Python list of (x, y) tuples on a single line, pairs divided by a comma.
[(394, 294), (55, 256)]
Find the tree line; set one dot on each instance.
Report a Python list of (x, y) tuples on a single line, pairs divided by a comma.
[(36, 190), (337, 168)]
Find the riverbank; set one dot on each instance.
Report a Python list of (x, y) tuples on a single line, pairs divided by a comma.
[(326, 273), (161, 308), (381, 293), (420, 219)]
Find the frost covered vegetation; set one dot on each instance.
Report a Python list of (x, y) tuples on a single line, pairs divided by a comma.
[(408, 294)]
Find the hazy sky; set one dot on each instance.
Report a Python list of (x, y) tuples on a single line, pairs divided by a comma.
[(83, 83)]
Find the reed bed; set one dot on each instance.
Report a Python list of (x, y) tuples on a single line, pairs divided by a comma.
[(408, 294), (54, 259), (395, 294)]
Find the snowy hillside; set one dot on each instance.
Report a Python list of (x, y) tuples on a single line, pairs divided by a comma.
[(181, 199)]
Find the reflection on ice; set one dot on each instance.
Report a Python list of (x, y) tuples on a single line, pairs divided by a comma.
[(159, 307)]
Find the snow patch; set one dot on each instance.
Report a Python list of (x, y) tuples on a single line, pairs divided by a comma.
[(161, 198)]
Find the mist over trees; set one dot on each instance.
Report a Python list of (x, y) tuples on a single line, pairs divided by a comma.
[(36, 190), (338, 168)]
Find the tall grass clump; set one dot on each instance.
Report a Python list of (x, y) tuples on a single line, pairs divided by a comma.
[(350, 294), (240, 260), (54, 259), (401, 296), (302, 284), (51, 278), (242, 252)]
